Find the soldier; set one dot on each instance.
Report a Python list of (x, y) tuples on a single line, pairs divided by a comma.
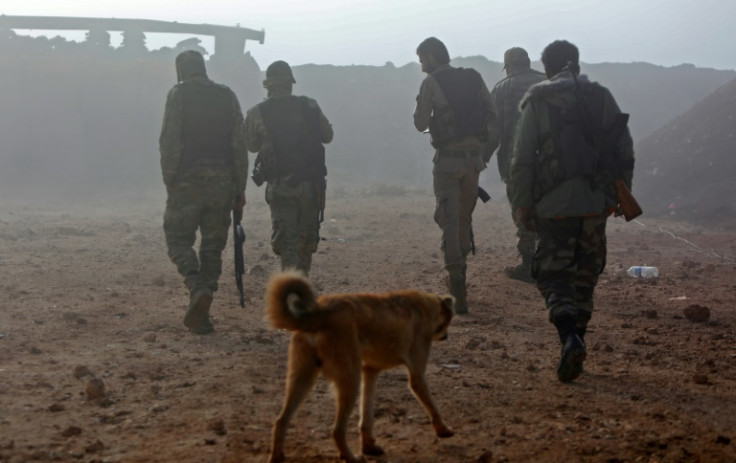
[(204, 162), (288, 133), (454, 104), (506, 96), (558, 189)]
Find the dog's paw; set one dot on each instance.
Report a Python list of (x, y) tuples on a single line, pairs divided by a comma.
[(444, 431), (354, 460), (372, 450)]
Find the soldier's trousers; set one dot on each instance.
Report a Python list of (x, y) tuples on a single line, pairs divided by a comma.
[(526, 239), (570, 256), (200, 201), (295, 223), (456, 192)]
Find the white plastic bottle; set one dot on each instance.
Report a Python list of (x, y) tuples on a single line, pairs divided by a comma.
[(638, 271)]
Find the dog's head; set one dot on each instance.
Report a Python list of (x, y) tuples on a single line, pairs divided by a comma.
[(444, 316)]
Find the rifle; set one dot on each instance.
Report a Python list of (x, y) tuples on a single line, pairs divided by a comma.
[(238, 240), (605, 146)]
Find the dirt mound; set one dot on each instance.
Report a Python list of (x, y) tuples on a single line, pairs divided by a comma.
[(687, 167)]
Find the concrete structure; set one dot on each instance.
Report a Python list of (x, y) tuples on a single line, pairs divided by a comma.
[(229, 41)]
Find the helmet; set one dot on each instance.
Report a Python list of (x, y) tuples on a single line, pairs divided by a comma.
[(278, 72)]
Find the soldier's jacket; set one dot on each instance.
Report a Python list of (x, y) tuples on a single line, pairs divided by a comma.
[(256, 133), (534, 157), (179, 123), (505, 98)]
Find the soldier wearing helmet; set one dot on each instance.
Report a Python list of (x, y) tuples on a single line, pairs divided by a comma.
[(505, 96), (204, 162), (289, 132)]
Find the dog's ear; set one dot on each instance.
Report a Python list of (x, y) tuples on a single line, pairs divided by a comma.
[(448, 304)]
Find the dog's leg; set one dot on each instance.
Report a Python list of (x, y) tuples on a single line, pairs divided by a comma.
[(347, 387), (300, 378), (418, 384), (368, 401)]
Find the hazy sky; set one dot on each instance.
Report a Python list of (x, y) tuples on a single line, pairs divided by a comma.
[(342, 32)]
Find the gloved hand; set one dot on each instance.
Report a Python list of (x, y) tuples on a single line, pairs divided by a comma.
[(238, 204)]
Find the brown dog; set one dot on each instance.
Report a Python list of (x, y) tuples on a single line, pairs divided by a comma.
[(344, 334)]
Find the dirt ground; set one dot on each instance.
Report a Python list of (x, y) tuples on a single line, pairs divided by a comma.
[(88, 294)]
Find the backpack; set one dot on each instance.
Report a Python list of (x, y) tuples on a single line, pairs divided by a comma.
[(466, 114)]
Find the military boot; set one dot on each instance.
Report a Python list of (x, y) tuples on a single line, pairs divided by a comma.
[(197, 318), (456, 285), (573, 349), (521, 272)]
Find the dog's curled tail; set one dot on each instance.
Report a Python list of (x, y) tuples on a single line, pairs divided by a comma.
[(290, 299)]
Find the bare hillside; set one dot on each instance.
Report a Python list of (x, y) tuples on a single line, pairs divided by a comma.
[(687, 167)]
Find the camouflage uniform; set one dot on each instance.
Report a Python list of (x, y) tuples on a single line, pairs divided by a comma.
[(457, 166), (505, 96), (294, 193), (204, 162), (569, 212)]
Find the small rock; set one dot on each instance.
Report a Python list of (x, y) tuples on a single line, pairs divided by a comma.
[(35, 350), (72, 431), (697, 313), (106, 403), (532, 368), (700, 378), (81, 371), (723, 440), (649, 313), (56, 408), (218, 427), (95, 447), (473, 343), (159, 408), (70, 316), (486, 457), (149, 337), (95, 389), (257, 271)]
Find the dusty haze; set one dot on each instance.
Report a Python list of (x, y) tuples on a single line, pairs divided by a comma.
[(81, 121)]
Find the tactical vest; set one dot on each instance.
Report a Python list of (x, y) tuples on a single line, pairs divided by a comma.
[(293, 128), (466, 114), (207, 124)]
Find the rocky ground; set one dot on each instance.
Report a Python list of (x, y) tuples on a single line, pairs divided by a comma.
[(95, 365)]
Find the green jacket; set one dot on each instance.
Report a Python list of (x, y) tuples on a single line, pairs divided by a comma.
[(534, 160), (505, 97)]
